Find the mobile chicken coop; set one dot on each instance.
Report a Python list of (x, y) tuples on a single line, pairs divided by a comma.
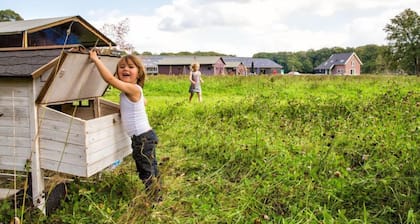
[(52, 116)]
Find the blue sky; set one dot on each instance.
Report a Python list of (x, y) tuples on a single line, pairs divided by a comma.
[(238, 27)]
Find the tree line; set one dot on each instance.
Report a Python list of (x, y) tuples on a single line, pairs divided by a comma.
[(374, 58), (400, 56)]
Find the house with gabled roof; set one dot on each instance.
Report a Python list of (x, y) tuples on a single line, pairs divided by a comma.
[(178, 65), (340, 64), (52, 114), (256, 65)]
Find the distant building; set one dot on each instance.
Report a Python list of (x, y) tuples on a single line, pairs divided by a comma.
[(340, 64), (255, 65), (210, 65)]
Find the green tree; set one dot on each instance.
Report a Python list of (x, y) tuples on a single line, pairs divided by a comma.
[(9, 15), (403, 34)]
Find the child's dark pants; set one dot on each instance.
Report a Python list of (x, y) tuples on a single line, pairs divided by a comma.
[(144, 154)]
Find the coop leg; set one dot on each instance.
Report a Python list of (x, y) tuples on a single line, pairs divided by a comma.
[(38, 194)]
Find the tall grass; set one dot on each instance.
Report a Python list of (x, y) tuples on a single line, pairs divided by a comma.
[(270, 149)]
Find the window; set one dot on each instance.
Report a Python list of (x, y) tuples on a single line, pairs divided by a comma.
[(13, 40)]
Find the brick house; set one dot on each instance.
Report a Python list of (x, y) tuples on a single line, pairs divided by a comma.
[(340, 64)]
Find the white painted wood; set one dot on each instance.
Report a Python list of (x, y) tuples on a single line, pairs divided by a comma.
[(37, 174), (15, 151), (12, 163), (73, 149), (8, 132), (15, 140), (77, 78), (101, 151), (107, 161), (6, 193)]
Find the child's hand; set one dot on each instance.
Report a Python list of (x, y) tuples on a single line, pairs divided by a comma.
[(93, 55)]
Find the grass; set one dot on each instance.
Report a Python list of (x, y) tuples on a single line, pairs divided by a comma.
[(269, 149)]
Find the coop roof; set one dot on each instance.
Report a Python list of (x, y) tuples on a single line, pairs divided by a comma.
[(51, 32), (23, 63)]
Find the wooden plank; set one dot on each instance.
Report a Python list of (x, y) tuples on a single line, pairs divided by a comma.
[(19, 112), (76, 138), (106, 162), (100, 151), (18, 89), (15, 151), (6, 193), (108, 130), (54, 115), (79, 73), (17, 101), (12, 163), (10, 123), (102, 122), (14, 131), (15, 141), (64, 167), (104, 142), (59, 148)]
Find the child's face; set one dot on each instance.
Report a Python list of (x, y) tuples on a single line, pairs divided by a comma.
[(127, 71)]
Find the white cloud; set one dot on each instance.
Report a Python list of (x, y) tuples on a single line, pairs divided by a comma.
[(245, 27)]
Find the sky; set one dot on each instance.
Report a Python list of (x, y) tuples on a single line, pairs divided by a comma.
[(235, 27)]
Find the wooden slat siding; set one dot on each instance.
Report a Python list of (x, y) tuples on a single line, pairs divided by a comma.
[(61, 136), (107, 147), (12, 163), (15, 140), (107, 161), (18, 123), (18, 151), (77, 78), (18, 101), (74, 155), (79, 170), (63, 147), (108, 133), (58, 151), (9, 132), (55, 120), (102, 122), (6, 193)]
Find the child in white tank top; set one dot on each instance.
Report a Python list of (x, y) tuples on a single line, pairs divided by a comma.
[(130, 81)]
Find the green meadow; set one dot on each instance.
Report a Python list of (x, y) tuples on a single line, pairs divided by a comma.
[(268, 149)]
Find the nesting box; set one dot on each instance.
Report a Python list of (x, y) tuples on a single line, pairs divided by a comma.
[(79, 132), (52, 115)]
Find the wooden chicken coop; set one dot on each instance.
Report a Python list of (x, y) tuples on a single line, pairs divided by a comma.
[(52, 114)]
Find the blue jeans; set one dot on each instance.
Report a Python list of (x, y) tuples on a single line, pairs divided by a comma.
[(144, 154)]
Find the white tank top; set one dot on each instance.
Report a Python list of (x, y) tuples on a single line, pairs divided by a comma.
[(133, 115)]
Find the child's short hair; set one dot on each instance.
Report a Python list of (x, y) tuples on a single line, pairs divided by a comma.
[(195, 66)]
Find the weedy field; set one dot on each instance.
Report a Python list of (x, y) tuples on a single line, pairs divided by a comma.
[(268, 149)]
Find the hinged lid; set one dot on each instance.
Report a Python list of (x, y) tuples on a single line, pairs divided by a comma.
[(73, 76)]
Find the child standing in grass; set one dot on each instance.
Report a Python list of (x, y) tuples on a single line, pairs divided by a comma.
[(195, 79), (130, 79)]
